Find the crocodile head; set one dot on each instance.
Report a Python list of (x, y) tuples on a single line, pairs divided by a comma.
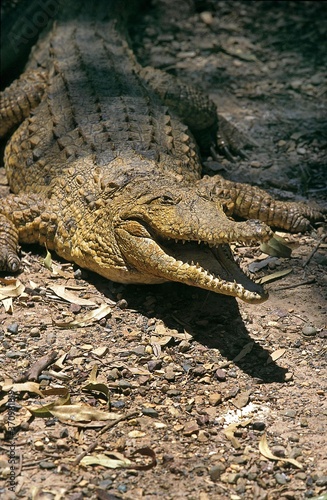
[(172, 233)]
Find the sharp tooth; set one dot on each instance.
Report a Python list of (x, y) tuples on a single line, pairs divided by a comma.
[(184, 242), (199, 242), (176, 240)]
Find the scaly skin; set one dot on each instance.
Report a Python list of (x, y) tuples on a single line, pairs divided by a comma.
[(109, 177)]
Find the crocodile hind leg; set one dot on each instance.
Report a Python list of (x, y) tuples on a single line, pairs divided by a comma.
[(18, 100), (251, 202), (211, 130), (23, 219)]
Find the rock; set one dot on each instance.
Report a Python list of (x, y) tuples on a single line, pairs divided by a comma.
[(47, 464), (199, 370), (309, 331), (184, 346), (172, 393), (15, 354), (220, 375), (279, 451), (35, 332), (154, 364), (281, 478), (321, 481), (13, 328), (215, 398), (259, 426), (289, 413), (190, 428), (150, 412), (170, 374), (216, 471), (206, 17)]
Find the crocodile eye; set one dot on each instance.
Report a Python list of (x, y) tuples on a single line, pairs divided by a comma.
[(166, 199)]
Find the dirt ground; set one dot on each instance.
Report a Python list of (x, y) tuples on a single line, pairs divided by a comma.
[(215, 399)]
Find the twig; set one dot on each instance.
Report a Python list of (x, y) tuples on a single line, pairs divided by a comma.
[(34, 371), (306, 262), (95, 443), (295, 285)]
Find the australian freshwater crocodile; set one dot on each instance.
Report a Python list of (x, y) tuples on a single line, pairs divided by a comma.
[(105, 166)]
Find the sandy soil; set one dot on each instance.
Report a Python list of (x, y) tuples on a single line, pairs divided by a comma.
[(206, 387)]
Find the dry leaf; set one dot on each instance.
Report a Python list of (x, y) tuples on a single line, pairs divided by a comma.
[(229, 433), (246, 349), (45, 410), (111, 461), (275, 355), (12, 290), (81, 413), (276, 247), (136, 434), (47, 261), (147, 452), (274, 276), (65, 294), (85, 319), (265, 451), (24, 387), (93, 384), (8, 305)]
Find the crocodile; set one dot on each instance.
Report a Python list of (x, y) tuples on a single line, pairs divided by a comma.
[(105, 164)]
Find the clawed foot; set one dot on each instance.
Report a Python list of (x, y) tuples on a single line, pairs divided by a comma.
[(9, 261), (231, 142)]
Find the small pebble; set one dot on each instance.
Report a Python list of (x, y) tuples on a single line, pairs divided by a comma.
[(321, 481), (289, 413), (47, 464), (279, 451), (170, 374), (118, 404), (296, 452), (206, 17), (14, 354), (281, 478), (215, 398), (232, 373), (301, 475), (199, 370), (309, 331), (216, 471), (150, 412), (172, 393), (220, 375), (35, 332), (229, 478), (105, 484), (255, 164), (13, 328), (184, 346), (259, 426), (122, 488), (154, 364)]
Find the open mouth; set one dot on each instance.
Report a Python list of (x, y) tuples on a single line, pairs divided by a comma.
[(190, 262), (216, 267)]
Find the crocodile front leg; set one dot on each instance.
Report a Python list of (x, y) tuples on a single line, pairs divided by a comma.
[(18, 100), (23, 219), (251, 202)]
